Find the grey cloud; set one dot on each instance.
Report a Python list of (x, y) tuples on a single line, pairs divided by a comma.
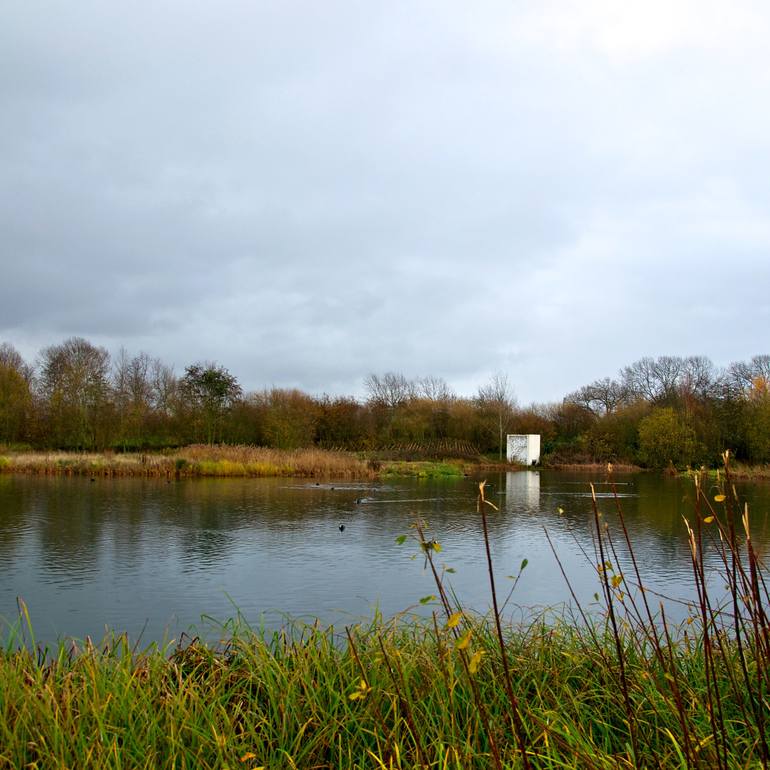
[(311, 192)]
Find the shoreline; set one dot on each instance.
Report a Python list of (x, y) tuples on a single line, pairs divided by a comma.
[(202, 461)]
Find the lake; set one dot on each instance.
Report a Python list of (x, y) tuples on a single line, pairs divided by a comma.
[(155, 558)]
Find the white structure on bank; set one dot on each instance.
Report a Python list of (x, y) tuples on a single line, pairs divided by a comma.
[(524, 448)]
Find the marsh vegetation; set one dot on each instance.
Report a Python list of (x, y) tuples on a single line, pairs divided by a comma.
[(658, 412)]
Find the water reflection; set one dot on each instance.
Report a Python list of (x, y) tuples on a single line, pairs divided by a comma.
[(523, 488), (125, 553)]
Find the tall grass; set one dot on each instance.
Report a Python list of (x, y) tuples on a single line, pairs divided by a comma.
[(621, 688), (196, 460)]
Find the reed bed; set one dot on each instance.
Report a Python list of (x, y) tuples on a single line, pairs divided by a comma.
[(618, 688), (741, 471), (192, 461)]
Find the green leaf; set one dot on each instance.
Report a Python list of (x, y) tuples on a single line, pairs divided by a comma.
[(450, 570), (401, 539), (523, 565), (426, 599)]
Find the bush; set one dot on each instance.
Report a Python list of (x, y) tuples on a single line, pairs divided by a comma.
[(666, 439)]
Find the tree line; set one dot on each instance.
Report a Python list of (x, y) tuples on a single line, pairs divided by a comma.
[(657, 411)]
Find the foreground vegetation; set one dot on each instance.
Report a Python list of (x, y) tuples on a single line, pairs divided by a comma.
[(661, 412), (619, 688)]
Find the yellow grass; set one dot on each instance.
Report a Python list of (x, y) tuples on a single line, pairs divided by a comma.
[(196, 460)]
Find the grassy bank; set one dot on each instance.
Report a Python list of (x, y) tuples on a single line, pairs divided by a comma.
[(429, 469), (595, 469), (249, 461), (738, 471), (394, 696), (224, 461), (618, 688), (192, 461)]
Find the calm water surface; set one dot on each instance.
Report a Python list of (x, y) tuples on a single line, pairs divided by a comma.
[(155, 557)]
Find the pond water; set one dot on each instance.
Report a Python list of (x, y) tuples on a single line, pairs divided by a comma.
[(153, 558)]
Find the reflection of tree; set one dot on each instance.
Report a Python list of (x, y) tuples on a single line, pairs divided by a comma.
[(15, 503), (125, 524), (70, 527)]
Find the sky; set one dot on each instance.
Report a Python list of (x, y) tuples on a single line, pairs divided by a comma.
[(309, 192)]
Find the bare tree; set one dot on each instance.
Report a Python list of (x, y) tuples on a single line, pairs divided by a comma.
[(11, 358), (164, 387), (653, 379), (497, 397), (75, 383), (434, 389), (391, 390), (666, 379), (700, 378), (743, 377), (600, 397), (132, 388)]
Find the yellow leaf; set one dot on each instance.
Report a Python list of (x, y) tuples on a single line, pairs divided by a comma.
[(720, 498), (464, 640), (248, 755), (454, 619), (361, 692), (616, 580), (473, 666), (708, 519), (436, 546)]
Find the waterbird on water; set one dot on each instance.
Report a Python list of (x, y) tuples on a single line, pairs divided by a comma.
[(342, 527)]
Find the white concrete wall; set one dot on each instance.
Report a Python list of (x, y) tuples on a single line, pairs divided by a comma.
[(524, 448)]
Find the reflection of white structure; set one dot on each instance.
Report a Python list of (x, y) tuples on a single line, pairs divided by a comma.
[(524, 448), (522, 487)]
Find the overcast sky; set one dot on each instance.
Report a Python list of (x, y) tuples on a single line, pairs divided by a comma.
[(306, 192)]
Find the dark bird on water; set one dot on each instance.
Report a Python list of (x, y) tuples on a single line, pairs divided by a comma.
[(342, 527)]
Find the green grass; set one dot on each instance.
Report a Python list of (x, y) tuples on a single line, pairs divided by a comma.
[(739, 471), (286, 700), (426, 469)]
